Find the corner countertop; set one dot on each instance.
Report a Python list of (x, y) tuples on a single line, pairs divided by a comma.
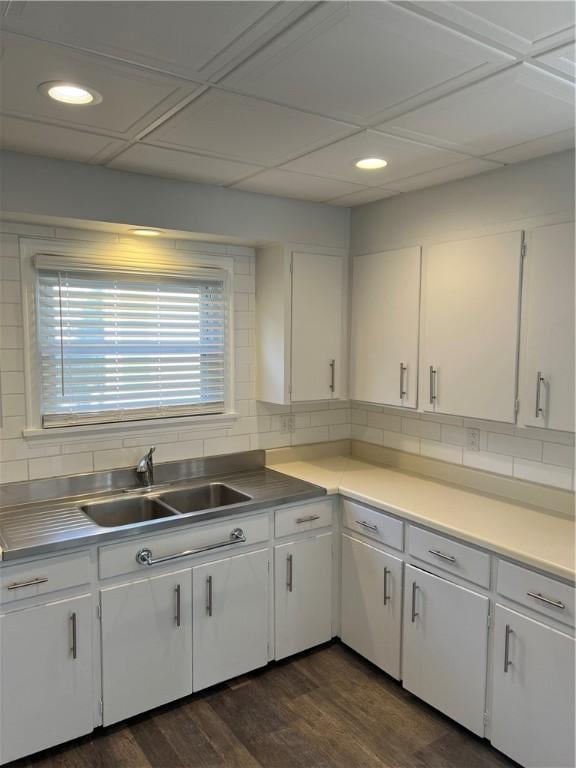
[(529, 535)]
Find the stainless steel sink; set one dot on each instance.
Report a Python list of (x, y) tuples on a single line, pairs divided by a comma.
[(119, 512), (210, 496)]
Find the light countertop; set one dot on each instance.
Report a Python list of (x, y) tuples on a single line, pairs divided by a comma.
[(529, 535)]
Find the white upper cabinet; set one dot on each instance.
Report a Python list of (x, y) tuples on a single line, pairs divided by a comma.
[(301, 326), (469, 328), (547, 352), (385, 312)]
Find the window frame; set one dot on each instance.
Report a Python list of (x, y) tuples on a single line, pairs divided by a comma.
[(138, 259)]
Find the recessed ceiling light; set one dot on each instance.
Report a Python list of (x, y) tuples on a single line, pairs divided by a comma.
[(144, 232), (70, 93), (371, 163)]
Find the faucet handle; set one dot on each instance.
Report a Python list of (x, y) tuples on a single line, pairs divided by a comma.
[(150, 452)]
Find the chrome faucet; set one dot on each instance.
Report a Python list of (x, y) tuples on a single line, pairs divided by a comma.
[(145, 468)]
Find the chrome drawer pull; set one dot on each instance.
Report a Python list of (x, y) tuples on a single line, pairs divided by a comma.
[(538, 411), (332, 375), (177, 616), (144, 556), (386, 595), (74, 647), (450, 558), (403, 369), (367, 525), (432, 385), (289, 572), (307, 519), (415, 613), (554, 603), (31, 583), (209, 596), (507, 633)]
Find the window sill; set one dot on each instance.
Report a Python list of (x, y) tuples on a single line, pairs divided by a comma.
[(179, 423)]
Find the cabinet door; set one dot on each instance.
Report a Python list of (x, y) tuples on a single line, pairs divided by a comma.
[(547, 360), (533, 692), (470, 310), (46, 665), (230, 608), (303, 594), (146, 644), (372, 604), (385, 315), (318, 364), (445, 646)]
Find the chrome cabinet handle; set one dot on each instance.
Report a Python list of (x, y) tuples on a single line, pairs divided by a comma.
[(403, 369), (31, 583), (539, 381), (144, 556), (307, 519), (415, 613), (437, 553), (209, 596), (367, 525), (74, 646), (507, 633), (386, 595), (547, 600), (332, 375), (177, 614), (289, 572), (433, 373)]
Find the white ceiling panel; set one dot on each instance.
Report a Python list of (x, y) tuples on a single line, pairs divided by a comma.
[(563, 59), (555, 142), (35, 138), (405, 158), (524, 26), (362, 197), (158, 161), (458, 170), (519, 105), (355, 61), (132, 97), (184, 38), (288, 184), (246, 129)]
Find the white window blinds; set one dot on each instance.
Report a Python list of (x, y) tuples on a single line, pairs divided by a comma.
[(118, 347)]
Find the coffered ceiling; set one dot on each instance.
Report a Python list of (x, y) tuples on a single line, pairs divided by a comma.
[(282, 98)]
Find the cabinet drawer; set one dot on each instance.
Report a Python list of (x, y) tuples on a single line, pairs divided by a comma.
[(117, 559), (43, 576), (541, 593), (305, 517), (376, 525), (449, 555)]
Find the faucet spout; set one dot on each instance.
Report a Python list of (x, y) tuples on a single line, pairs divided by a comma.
[(145, 468)]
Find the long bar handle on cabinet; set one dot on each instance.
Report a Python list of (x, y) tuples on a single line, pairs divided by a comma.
[(307, 518), (144, 556), (415, 613), (507, 663), (403, 369), (539, 381), (73, 624), (386, 595), (547, 600), (289, 572), (433, 373), (177, 615), (209, 596), (332, 375), (30, 583), (367, 525), (443, 555)]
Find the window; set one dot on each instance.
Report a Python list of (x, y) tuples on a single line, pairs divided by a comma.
[(120, 346)]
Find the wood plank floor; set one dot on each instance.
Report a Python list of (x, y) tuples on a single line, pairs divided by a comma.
[(327, 708)]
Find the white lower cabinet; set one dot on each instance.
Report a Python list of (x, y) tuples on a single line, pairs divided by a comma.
[(46, 674), (372, 603), (445, 646), (146, 644), (533, 692), (230, 617), (303, 594)]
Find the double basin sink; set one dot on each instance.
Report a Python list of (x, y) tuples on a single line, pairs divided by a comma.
[(145, 508)]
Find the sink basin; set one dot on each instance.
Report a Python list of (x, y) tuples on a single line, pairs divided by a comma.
[(113, 514), (203, 497)]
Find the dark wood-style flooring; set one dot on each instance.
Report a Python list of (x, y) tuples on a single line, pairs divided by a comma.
[(326, 708)]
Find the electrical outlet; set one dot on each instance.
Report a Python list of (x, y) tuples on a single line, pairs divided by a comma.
[(473, 439)]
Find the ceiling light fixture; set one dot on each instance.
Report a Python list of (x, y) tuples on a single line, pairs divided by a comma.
[(371, 163), (144, 232), (70, 93)]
